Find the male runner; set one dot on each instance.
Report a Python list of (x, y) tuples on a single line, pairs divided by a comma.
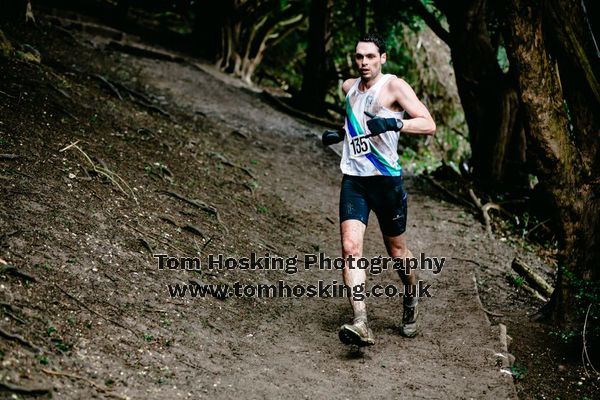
[(375, 107)]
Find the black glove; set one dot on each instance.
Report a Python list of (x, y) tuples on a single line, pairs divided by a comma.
[(379, 125), (332, 137)]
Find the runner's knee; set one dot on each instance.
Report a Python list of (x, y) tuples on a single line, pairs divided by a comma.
[(350, 247)]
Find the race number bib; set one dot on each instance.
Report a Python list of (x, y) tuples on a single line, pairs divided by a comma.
[(359, 146)]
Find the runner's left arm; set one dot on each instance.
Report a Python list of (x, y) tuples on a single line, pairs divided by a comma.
[(420, 122)]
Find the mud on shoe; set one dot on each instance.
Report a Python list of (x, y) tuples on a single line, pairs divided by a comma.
[(357, 333), (409, 321)]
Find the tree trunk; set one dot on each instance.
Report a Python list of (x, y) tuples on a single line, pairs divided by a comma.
[(362, 17), (566, 159), (209, 23), (315, 80), (488, 97)]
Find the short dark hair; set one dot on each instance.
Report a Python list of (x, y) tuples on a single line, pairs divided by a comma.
[(376, 39)]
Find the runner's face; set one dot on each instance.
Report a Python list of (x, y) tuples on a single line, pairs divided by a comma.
[(368, 60)]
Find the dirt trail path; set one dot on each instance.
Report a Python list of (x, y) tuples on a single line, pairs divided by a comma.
[(455, 355), (87, 239)]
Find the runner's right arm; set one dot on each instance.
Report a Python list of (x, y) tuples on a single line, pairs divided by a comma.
[(332, 137)]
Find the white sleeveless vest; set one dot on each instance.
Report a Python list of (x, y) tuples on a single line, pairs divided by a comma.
[(383, 158)]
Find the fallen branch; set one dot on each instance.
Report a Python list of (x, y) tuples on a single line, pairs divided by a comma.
[(33, 391), (449, 193), (19, 339), (9, 156), (111, 176), (532, 278), (533, 292), (484, 213), (100, 388)]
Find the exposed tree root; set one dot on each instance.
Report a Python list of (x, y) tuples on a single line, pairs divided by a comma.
[(83, 305), (11, 269), (484, 213), (100, 388), (198, 203), (19, 339), (32, 391), (225, 161)]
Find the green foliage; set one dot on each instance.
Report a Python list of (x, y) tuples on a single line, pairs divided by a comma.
[(518, 371), (62, 346), (418, 162), (44, 265), (585, 310), (502, 59), (282, 67), (515, 280), (587, 298), (452, 146), (565, 336)]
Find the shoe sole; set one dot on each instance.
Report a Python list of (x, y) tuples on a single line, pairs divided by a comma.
[(409, 335), (348, 336)]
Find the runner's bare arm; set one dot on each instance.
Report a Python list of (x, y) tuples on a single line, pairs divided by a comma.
[(421, 122), (347, 85), (332, 137)]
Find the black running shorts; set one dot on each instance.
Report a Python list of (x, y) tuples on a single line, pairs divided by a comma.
[(384, 195)]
